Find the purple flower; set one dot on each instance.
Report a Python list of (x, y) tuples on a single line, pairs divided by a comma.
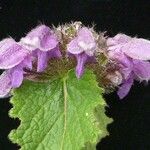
[(131, 54), (44, 43), (13, 58), (83, 47)]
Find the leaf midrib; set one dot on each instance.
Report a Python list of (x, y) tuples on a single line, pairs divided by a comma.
[(65, 93)]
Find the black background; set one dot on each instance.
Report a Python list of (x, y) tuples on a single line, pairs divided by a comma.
[(131, 127)]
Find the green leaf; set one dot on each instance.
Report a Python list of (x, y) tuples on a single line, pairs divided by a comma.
[(59, 115)]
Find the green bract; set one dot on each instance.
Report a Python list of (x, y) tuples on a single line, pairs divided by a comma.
[(63, 114)]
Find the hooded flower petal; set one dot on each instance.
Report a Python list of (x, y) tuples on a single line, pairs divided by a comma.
[(132, 47), (11, 54), (137, 49), (73, 47), (5, 84), (42, 37), (118, 40), (86, 41)]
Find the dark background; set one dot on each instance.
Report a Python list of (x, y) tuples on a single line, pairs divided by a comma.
[(131, 127)]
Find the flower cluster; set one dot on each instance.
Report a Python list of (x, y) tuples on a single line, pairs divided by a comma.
[(132, 55), (40, 45)]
